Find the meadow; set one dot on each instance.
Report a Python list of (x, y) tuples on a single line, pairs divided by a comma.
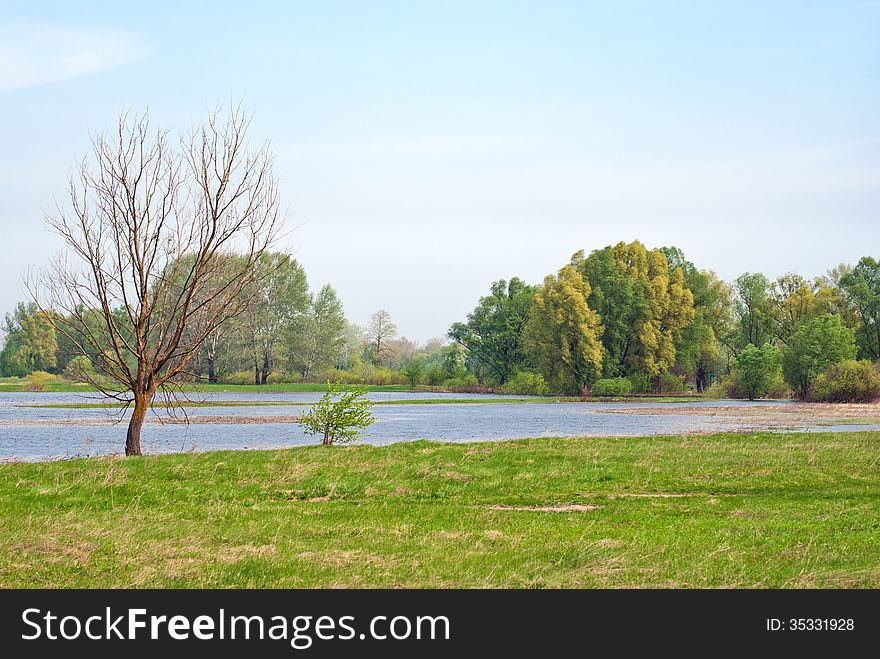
[(727, 510)]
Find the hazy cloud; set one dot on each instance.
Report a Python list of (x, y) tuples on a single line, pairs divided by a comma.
[(36, 53)]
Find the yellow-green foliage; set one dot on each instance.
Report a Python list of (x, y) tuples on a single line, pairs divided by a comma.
[(850, 381), (563, 333), (39, 380), (670, 306)]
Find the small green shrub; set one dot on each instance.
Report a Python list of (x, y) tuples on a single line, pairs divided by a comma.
[(339, 416), (849, 381), (640, 383), (612, 387), (465, 382), (729, 387), (39, 380), (238, 377), (669, 383), (524, 383)]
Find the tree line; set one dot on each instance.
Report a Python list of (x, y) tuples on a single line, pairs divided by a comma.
[(628, 319)]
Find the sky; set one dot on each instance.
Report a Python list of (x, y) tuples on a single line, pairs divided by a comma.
[(426, 149)]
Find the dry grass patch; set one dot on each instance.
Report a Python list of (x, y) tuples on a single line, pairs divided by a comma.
[(558, 508)]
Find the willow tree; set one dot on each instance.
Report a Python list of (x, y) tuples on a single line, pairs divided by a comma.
[(563, 335), (145, 276), (644, 305)]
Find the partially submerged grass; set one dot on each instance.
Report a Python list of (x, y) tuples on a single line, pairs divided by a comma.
[(758, 510)]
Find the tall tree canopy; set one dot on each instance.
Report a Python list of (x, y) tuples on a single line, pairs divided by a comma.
[(279, 297), (644, 306), (862, 285), (816, 345), (562, 337), (31, 342), (317, 340), (493, 333)]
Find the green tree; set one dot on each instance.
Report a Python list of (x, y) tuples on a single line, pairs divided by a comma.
[(862, 285), (644, 306), (792, 300), (31, 343), (339, 416), (278, 298), (752, 309), (493, 333), (563, 333), (316, 340), (756, 369), (813, 347), (413, 369)]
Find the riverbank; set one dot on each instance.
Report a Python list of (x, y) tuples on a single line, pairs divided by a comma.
[(751, 510)]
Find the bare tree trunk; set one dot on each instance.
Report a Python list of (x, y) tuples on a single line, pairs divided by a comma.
[(256, 371), (212, 373), (264, 378), (133, 437), (326, 440)]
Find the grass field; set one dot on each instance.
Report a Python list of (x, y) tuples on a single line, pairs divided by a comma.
[(14, 385), (719, 511)]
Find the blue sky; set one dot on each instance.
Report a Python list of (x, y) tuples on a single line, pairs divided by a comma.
[(426, 149)]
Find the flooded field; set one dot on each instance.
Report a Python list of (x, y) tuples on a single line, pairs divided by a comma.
[(29, 430)]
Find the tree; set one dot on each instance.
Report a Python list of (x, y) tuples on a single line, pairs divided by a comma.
[(413, 369), (752, 309), (756, 368), (644, 306), (339, 416), (493, 333), (279, 297), (379, 334), (146, 231), (792, 299), (815, 345), (562, 336), (31, 343), (702, 345), (318, 339), (862, 285)]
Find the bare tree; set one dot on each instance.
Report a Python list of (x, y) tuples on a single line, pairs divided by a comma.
[(380, 332), (149, 232)]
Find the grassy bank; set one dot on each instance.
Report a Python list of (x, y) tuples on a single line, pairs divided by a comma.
[(726, 510), (13, 385)]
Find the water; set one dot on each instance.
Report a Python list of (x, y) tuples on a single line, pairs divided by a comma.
[(47, 433)]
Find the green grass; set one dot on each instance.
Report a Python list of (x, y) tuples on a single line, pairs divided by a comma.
[(757, 510), (21, 384)]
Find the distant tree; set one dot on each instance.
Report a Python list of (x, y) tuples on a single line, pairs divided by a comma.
[(792, 299), (862, 285), (756, 369), (813, 347), (352, 343), (145, 232), (563, 334), (317, 340), (413, 370), (339, 416), (31, 343), (753, 309), (279, 295), (702, 344), (380, 333), (493, 333)]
